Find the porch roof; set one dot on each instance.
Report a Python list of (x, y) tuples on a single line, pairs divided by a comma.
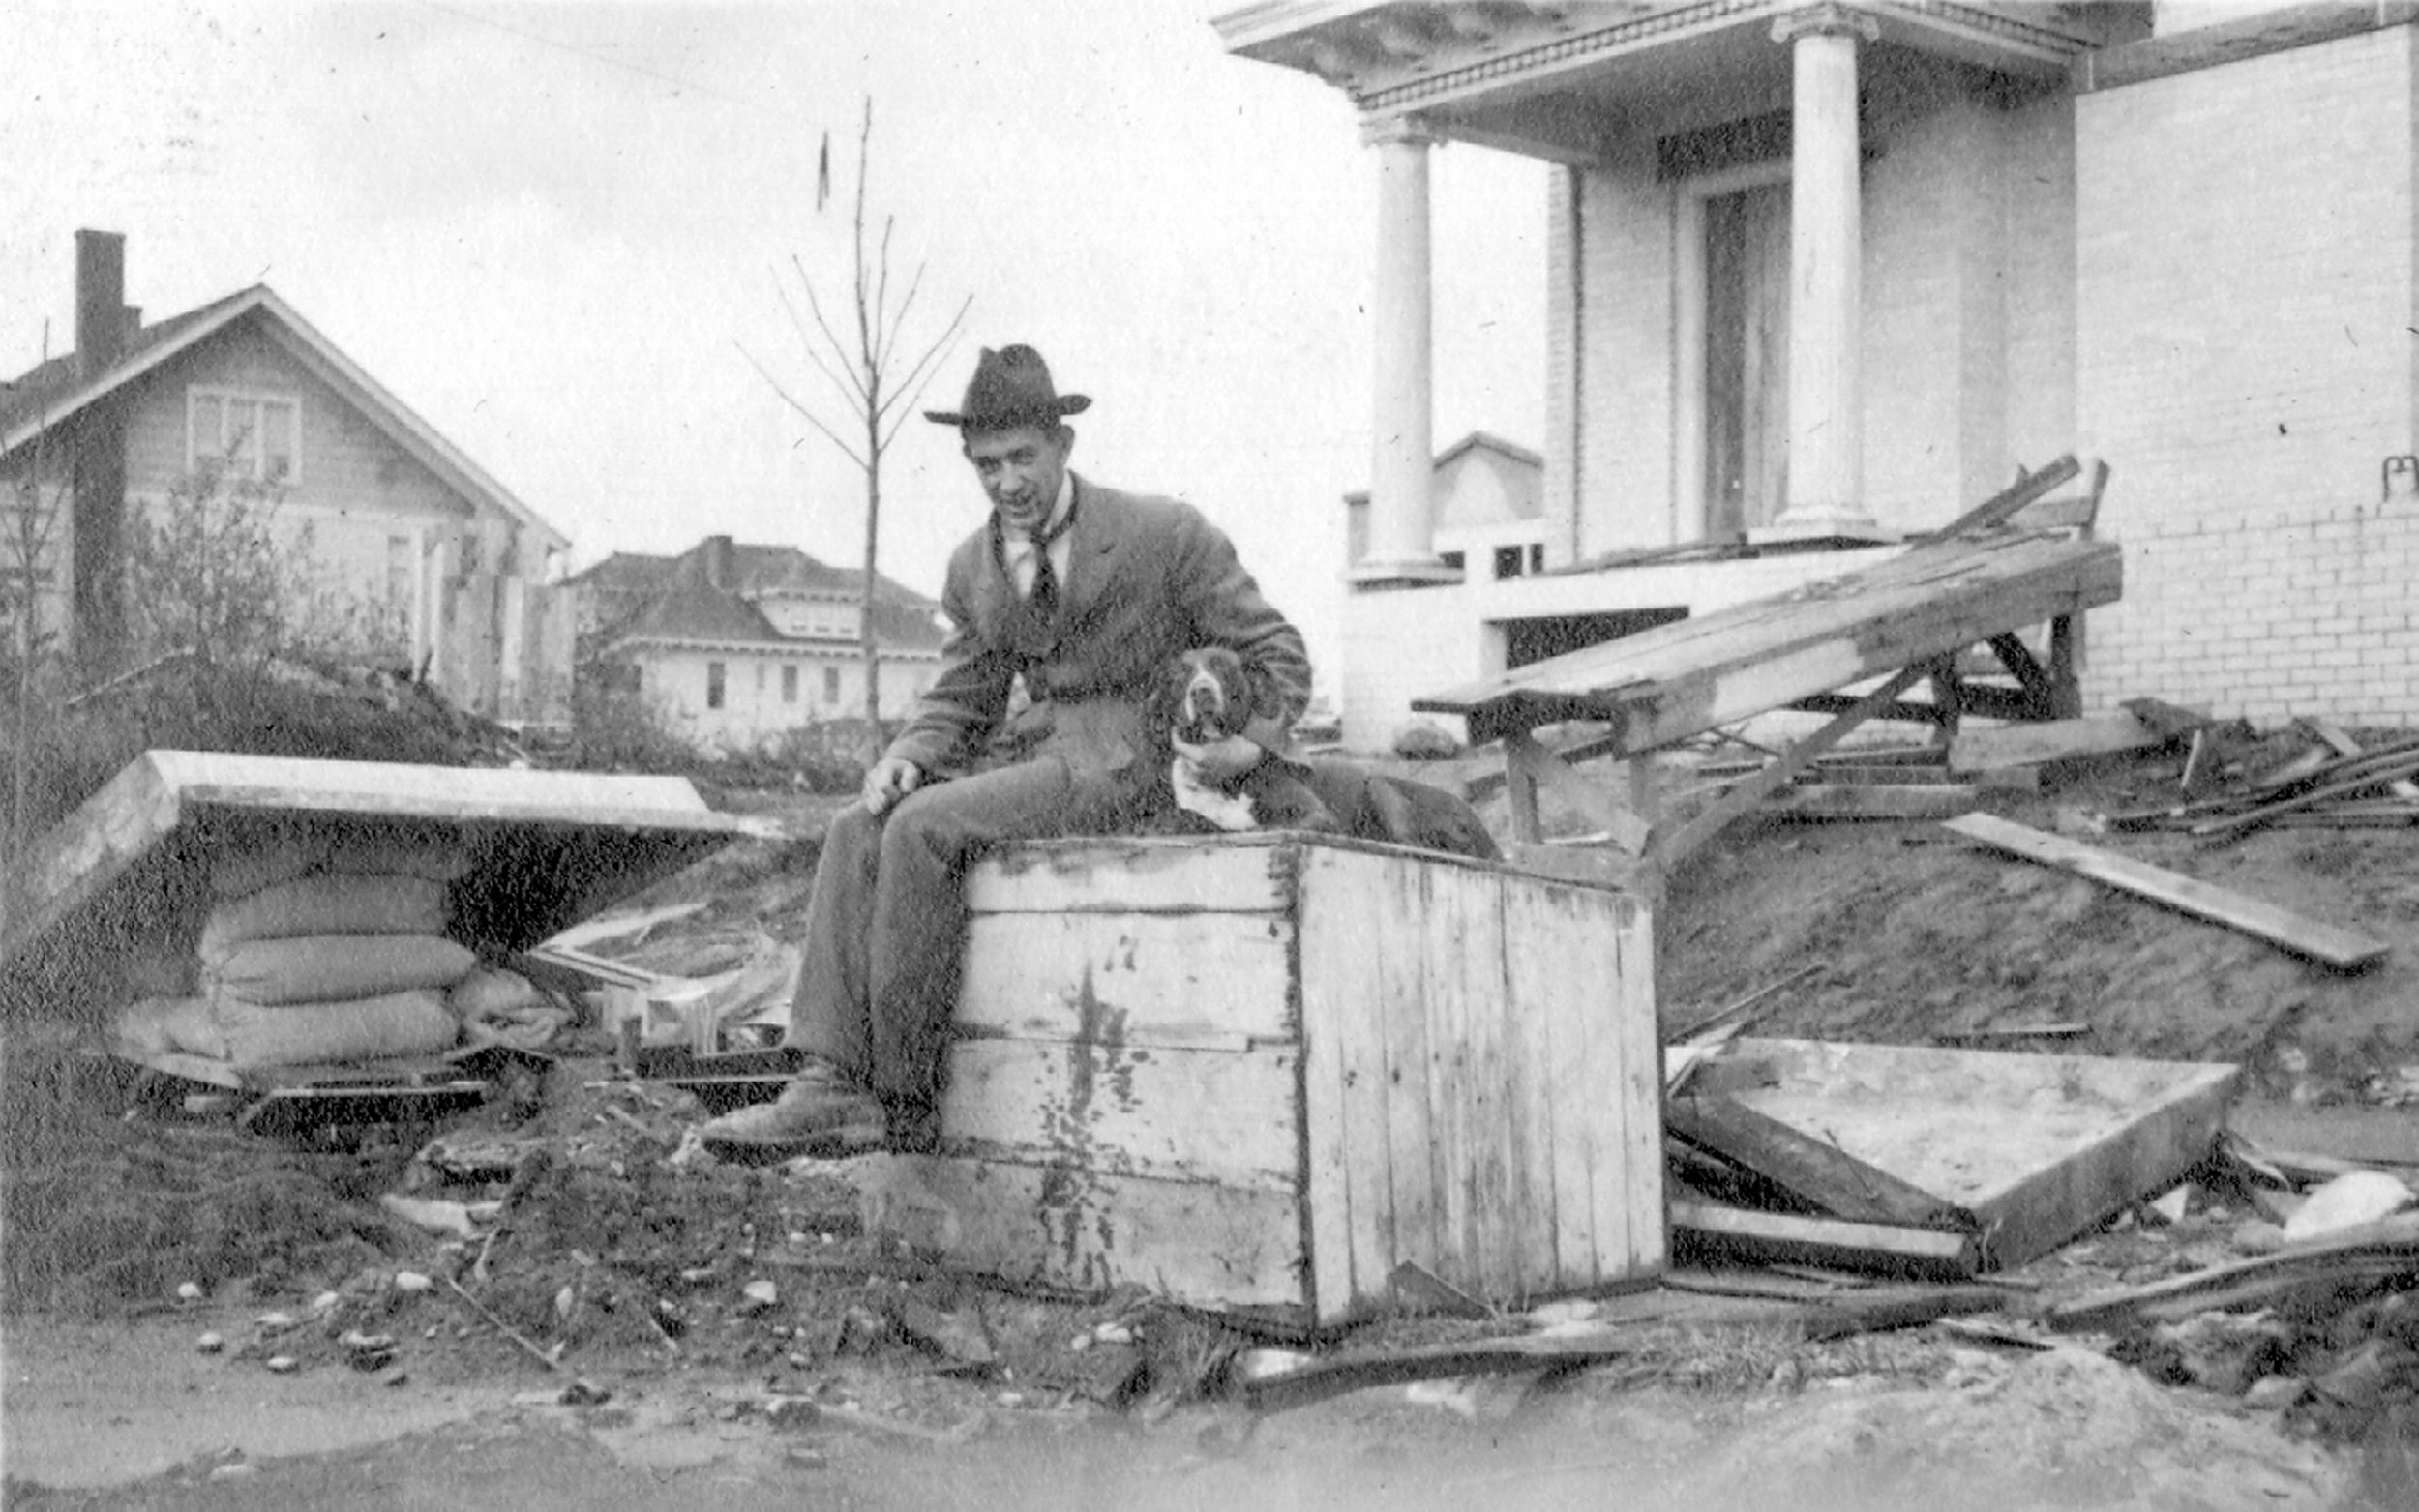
[(1565, 81)]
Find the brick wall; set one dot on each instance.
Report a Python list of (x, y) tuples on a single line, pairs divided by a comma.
[(2269, 613), (2244, 362)]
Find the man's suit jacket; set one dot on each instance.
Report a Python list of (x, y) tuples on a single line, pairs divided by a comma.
[(1146, 577)]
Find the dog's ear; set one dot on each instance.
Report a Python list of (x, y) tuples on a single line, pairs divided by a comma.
[(1259, 688), (1165, 707)]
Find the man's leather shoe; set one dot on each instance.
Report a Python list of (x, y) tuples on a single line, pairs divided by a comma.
[(820, 1113)]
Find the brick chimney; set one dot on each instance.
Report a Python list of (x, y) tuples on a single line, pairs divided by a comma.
[(719, 570), (97, 540), (100, 324)]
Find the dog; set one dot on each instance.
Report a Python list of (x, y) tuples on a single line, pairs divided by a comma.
[(1206, 694), (1209, 693)]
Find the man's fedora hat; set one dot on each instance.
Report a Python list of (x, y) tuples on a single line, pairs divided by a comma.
[(1011, 387)]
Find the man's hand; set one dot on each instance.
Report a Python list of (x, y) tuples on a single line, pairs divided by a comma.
[(893, 779), (1222, 762)]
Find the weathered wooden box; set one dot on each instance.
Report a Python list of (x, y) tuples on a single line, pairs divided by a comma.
[(1288, 1075)]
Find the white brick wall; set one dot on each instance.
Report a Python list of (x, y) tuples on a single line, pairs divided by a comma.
[(2269, 613), (2245, 264)]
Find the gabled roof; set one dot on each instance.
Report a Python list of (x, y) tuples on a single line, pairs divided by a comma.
[(696, 612), (625, 571), (687, 608), (755, 572), (52, 393), (1474, 441)]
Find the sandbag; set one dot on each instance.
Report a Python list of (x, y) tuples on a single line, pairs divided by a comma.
[(249, 1036), (500, 1007), (279, 860), (338, 968), (327, 903)]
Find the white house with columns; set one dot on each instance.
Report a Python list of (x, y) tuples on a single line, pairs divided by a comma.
[(1820, 275)]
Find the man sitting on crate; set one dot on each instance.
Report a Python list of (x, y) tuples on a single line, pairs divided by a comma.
[(1078, 593)]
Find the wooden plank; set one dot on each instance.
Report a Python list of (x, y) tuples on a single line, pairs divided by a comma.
[(1175, 1114), (1239, 874), (1337, 928), (2346, 950), (2331, 1268), (2344, 745), (1353, 1009), (1636, 1076), (1826, 1241), (1816, 1169), (1401, 982), (1873, 801), (2028, 489), (1540, 772), (1667, 851), (2056, 740), (1199, 1244), (1471, 919), (1212, 981), (1534, 958), (2167, 1136), (67, 866), (1587, 1252), (1705, 671), (1452, 1067)]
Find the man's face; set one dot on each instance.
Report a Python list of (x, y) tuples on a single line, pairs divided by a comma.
[(1020, 470)]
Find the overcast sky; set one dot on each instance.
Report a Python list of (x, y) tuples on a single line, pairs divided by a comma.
[(553, 228)]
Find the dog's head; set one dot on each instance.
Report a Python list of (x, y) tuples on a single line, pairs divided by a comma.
[(1205, 693)]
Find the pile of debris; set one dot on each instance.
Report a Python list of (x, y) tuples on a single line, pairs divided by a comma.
[(2335, 784)]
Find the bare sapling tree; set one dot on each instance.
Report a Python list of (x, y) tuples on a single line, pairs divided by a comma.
[(866, 356), (35, 510)]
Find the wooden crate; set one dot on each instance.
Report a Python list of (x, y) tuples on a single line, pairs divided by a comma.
[(1262, 1073)]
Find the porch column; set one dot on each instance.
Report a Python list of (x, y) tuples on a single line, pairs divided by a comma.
[(1826, 492), (1402, 519)]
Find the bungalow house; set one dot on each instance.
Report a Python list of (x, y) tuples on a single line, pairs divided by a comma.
[(451, 573), (1820, 275), (737, 644)]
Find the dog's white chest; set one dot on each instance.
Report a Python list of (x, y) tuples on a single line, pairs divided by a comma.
[(1228, 811)]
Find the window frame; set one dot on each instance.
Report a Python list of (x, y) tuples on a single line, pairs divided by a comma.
[(252, 465)]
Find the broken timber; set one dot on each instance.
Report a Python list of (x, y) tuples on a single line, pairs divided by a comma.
[(2346, 950), (1903, 619), (2020, 1152)]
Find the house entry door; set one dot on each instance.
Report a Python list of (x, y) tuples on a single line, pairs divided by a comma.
[(1746, 359)]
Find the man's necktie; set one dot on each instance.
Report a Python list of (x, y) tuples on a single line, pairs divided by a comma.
[(1044, 598)]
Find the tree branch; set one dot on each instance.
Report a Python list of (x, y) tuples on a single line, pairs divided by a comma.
[(802, 412)]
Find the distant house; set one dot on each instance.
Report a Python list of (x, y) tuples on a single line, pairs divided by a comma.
[(1821, 276), (739, 644), (397, 523), (1490, 510)]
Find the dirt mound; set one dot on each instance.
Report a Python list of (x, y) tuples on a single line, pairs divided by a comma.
[(108, 1212), (1917, 936)]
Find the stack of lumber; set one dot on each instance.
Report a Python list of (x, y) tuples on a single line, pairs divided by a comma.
[(2336, 785), (1863, 783)]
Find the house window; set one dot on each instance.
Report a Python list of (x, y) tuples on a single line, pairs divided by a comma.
[(251, 435), (713, 685), (1451, 559), (1509, 561), (831, 685), (760, 677), (789, 684), (1537, 556)]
